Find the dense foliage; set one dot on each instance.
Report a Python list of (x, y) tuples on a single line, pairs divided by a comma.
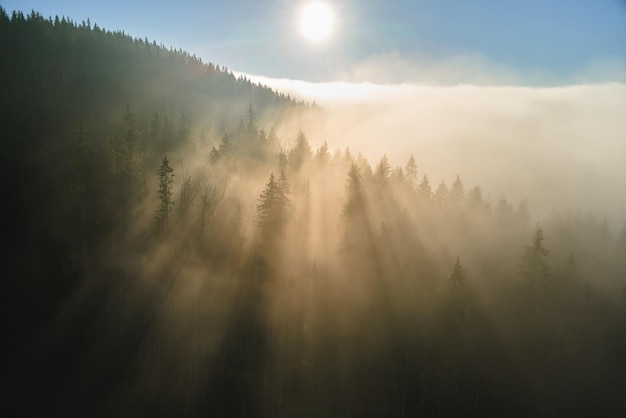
[(155, 270)]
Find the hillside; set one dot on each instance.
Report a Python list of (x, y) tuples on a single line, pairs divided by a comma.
[(170, 254)]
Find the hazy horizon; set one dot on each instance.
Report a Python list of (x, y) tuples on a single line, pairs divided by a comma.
[(568, 141), (442, 235)]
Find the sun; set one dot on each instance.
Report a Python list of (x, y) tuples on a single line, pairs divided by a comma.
[(317, 21)]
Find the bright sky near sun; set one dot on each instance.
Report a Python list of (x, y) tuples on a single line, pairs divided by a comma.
[(541, 41)]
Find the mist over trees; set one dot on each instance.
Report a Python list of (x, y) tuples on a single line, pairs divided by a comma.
[(170, 254)]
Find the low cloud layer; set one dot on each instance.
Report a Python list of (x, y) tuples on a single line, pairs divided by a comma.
[(477, 69), (562, 148)]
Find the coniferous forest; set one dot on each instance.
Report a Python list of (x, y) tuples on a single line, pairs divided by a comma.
[(170, 252)]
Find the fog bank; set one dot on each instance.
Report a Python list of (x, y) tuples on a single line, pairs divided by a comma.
[(562, 148)]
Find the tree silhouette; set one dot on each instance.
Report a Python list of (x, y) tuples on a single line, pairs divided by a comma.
[(457, 282), (82, 160), (282, 160), (382, 173), (410, 173), (300, 153), (272, 207), (356, 229), (458, 302), (251, 119), (534, 265), (474, 201), (424, 189), (441, 194), (456, 196), (322, 157), (166, 179)]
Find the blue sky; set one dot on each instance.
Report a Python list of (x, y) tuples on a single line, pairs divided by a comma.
[(541, 41)]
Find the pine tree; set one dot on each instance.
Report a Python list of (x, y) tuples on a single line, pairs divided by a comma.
[(475, 200), (284, 189), (457, 194), (301, 152), (458, 293), (323, 156), (365, 170), (210, 196), (424, 190), (188, 191), (123, 157), (504, 212), (348, 158), (356, 228), (123, 148), (397, 177), (225, 145), (410, 174), (383, 171), (166, 179), (282, 161), (272, 140), (82, 160), (130, 160), (458, 278), (534, 265), (442, 193), (355, 201), (251, 119), (272, 207)]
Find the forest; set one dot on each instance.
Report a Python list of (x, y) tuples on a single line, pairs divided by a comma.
[(173, 250)]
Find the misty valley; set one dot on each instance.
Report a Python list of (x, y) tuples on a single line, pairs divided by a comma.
[(181, 241)]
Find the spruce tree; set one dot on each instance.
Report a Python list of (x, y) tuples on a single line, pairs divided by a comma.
[(441, 195), (323, 156), (456, 284), (456, 196), (83, 157), (282, 161), (534, 265), (383, 171), (251, 119), (301, 152), (458, 295), (166, 179), (410, 174), (356, 229), (425, 191), (273, 206)]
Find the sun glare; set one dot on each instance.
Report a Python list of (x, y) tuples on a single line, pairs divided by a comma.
[(317, 21)]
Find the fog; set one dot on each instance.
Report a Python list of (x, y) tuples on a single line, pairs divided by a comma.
[(561, 148), (200, 245)]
